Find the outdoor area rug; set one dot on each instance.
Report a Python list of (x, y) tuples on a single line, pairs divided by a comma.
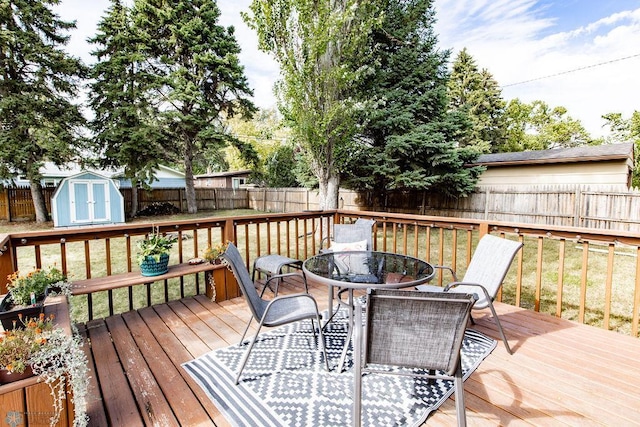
[(291, 387)]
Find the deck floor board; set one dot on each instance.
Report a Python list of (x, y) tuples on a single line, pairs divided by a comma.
[(561, 372)]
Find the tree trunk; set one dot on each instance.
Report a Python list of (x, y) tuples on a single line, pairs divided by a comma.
[(134, 198), (38, 201), (190, 190), (328, 189)]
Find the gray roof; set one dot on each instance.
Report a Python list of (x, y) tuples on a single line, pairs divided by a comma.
[(587, 153)]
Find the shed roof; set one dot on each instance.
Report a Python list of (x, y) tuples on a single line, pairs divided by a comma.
[(587, 153)]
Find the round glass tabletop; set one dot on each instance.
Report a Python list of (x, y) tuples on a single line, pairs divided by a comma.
[(366, 269)]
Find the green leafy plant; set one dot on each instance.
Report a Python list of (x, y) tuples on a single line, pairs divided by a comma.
[(54, 356), (155, 245), (36, 282), (214, 252)]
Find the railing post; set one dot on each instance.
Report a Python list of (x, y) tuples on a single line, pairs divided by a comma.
[(6, 262), (483, 228)]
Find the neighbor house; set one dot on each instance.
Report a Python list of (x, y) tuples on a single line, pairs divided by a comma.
[(53, 175), (231, 179), (595, 166)]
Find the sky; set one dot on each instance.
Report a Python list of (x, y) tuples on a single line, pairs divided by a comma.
[(580, 54)]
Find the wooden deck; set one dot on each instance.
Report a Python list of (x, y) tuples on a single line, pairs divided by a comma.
[(561, 373)]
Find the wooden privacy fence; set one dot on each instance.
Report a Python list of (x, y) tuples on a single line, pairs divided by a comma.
[(571, 206), (17, 204)]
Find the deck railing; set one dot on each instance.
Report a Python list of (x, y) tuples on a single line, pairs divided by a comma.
[(591, 276)]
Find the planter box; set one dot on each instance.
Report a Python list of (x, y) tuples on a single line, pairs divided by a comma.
[(28, 401), (7, 317)]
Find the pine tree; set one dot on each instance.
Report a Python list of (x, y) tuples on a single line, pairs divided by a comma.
[(197, 77), (409, 138), (38, 80), (126, 131), (477, 93)]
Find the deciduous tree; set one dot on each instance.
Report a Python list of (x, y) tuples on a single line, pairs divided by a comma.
[(319, 46)]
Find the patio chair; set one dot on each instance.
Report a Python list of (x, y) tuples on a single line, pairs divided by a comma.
[(484, 276), (279, 311), (411, 329), (349, 237)]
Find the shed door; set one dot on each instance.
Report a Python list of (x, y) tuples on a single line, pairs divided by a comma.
[(90, 201)]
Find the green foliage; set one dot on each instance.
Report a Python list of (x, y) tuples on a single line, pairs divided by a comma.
[(409, 139), (126, 132), (626, 130), (319, 48), (38, 122), (280, 167), (155, 245), (194, 76), (476, 92), (35, 282), (537, 126)]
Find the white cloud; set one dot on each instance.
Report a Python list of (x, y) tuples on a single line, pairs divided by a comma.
[(517, 47)]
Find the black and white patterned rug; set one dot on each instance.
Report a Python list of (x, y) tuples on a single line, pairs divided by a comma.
[(291, 387)]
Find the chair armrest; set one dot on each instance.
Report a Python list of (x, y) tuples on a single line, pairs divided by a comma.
[(478, 285), (445, 267)]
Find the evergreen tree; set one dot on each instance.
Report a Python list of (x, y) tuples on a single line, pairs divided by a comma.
[(38, 121), (409, 138), (126, 132), (477, 93), (198, 79)]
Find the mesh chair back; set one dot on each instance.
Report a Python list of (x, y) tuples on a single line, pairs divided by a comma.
[(256, 304), (489, 266), (416, 329), (349, 233)]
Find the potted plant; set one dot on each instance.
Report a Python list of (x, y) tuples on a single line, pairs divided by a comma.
[(153, 253), (40, 348), (27, 293), (213, 253)]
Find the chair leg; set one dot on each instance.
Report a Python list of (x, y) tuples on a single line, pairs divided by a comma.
[(459, 393), (246, 355), (502, 335), (321, 340), (245, 332)]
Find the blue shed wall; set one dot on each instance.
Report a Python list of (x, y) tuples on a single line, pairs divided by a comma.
[(62, 208)]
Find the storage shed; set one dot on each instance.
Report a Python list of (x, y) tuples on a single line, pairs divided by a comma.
[(87, 198)]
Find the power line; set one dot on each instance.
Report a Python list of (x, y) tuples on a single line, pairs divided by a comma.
[(574, 70)]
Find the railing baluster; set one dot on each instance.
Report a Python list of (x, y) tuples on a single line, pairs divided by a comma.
[(583, 280), (560, 287), (608, 285), (539, 263)]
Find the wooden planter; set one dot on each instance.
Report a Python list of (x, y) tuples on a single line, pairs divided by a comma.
[(10, 314), (29, 402)]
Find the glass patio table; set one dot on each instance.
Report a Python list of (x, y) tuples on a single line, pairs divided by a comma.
[(353, 270)]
